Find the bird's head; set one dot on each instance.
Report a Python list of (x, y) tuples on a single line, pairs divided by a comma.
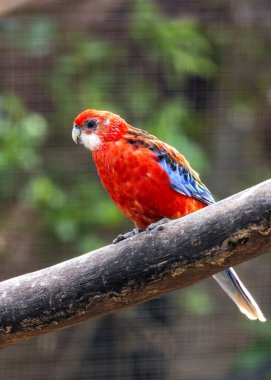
[(92, 128)]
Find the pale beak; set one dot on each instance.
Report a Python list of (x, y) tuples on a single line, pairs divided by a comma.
[(76, 133)]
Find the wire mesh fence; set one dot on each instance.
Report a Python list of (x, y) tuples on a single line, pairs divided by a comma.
[(195, 74)]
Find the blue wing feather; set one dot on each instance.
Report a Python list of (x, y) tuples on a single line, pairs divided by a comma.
[(182, 179)]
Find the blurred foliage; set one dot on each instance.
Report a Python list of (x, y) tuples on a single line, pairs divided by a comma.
[(175, 42), (82, 77), (257, 355), (141, 77), (170, 51), (197, 301), (88, 74), (22, 133), (35, 41)]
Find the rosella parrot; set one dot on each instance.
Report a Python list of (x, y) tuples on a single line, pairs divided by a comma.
[(149, 180)]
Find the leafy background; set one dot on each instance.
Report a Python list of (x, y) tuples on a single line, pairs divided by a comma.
[(197, 74)]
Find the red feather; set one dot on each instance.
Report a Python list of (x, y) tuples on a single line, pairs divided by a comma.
[(130, 171)]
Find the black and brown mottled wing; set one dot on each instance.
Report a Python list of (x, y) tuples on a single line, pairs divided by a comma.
[(182, 177)]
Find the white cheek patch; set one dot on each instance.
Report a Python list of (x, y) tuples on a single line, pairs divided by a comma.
[(91, 142)]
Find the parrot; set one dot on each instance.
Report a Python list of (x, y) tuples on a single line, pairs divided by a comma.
[(150, 181)]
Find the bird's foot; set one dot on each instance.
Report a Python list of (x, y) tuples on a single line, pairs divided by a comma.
[(158, 226), (121, 237)]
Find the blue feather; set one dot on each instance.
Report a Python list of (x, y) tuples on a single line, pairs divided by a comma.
[(183, 181)]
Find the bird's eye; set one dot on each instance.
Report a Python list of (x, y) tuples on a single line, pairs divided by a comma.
[(91, 124)]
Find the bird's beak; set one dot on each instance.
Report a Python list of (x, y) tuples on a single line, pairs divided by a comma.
[(76, 132)]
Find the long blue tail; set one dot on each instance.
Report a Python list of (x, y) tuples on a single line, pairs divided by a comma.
[(232, 285)]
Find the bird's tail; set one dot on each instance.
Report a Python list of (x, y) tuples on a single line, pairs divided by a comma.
[(232, 285)]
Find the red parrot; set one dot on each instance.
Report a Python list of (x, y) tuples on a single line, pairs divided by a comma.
[(149, 180)]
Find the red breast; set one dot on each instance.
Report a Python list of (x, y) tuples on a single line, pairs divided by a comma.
[(139, 185)]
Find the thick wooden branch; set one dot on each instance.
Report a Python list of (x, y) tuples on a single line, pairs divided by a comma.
[(153, 263)]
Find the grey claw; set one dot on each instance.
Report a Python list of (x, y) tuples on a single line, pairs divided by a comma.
[(126, 236), (120, 237), (158, 226)]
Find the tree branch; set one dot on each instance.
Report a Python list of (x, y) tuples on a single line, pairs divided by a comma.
[(149, 265)]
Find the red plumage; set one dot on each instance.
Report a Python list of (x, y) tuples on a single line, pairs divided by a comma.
[(130, 171), (139, 186)]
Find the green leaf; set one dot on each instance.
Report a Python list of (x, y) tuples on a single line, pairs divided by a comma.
[(197, 301)]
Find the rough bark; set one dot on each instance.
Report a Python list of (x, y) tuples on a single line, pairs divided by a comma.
[(180, 253)]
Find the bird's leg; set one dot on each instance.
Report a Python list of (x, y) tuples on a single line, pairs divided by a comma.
[(158, 226), (121, 237)]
